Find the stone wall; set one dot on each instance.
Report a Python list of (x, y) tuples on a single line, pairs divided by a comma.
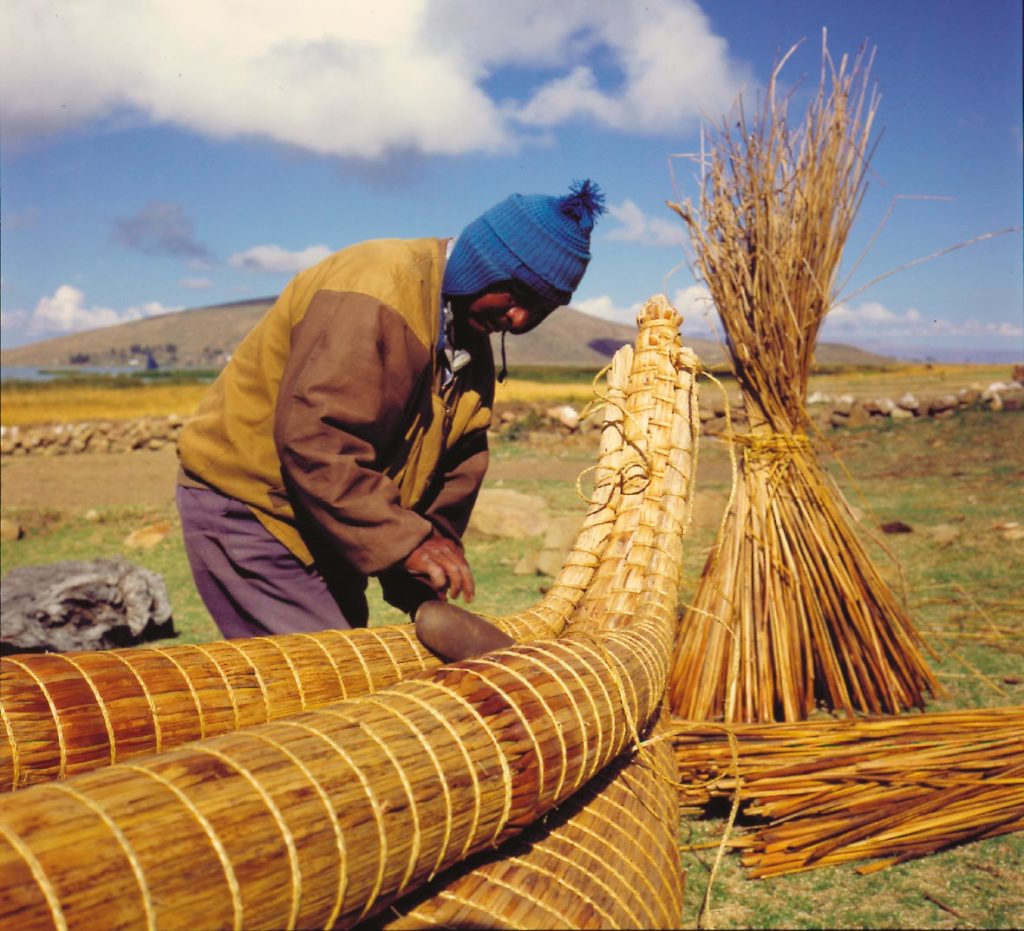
[(537, 424), (848, 411), (100, 436)]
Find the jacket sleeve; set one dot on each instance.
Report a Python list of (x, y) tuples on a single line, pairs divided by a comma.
[(464, 468), (353, 372)]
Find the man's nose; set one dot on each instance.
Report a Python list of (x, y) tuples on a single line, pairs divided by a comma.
[(517, 317)]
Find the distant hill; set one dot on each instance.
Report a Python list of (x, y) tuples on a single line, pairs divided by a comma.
[(206, 336)]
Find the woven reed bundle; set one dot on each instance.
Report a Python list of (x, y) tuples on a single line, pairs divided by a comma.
[(609, 857), (890, 789), (790, 611), (327, 815), (70, 713)]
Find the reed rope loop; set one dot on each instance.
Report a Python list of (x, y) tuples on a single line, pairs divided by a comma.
[(771, 447)]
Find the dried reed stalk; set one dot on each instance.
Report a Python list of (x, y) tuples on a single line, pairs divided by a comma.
[(890, 788), (69, 713), (328, 815), (608, 857), (789, 597)]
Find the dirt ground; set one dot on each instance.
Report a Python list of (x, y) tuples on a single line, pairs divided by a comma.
[(77, 483), (147, 478)]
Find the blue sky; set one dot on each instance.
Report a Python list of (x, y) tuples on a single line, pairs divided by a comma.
[(169, 154)]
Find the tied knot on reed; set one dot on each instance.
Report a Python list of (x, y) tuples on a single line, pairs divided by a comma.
[(771, 446), (774, 452)]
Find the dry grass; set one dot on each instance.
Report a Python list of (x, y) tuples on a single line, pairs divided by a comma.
[(57, 403), (50, 402)]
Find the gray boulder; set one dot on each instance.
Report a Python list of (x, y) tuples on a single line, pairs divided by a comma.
[(82, 605)]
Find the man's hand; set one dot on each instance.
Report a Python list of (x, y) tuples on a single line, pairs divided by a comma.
[(440, 563)]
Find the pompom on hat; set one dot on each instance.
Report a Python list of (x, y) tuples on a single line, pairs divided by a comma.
[(540, 241)]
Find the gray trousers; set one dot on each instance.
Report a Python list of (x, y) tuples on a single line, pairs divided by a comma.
[(251, 583)]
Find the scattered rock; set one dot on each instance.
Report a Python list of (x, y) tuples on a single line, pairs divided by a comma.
[(558, 541), (844, 405), (93, 516), (146, 538), (941, 405), (81, 605), (901, 413), (880, 407), (896, 526), (909, 403), (565, 415), (501, 512), (945, 534)]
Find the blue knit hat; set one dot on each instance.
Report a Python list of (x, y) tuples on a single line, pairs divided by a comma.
[(540, 241)]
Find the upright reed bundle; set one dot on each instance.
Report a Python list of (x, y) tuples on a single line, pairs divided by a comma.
[(887, 788), (789, 598), (325, 816)]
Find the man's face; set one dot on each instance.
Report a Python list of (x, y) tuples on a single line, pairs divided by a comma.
[(503, 308)]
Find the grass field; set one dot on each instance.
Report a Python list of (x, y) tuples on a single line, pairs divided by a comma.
[(954, 482)]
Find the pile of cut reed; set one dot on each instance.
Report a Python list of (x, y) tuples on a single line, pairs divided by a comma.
[(327, 815), (790, 612), (888, 789)]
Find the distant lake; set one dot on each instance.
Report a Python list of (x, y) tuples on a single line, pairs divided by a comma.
[(51, 372)]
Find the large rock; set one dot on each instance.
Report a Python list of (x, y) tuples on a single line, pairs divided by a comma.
[(82, 605), (502, 512), (558, 541)]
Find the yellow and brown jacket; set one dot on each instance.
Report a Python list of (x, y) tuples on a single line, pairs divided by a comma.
[(331, 421)]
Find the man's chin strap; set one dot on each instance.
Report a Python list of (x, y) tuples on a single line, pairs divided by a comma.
[(503, 374)]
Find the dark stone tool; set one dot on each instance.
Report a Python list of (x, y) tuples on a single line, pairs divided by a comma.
[(454, 633)]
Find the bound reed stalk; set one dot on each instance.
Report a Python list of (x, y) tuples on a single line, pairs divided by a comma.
[(788, 597), (325, 816), (889, 789), (70, 713), (609, 856)]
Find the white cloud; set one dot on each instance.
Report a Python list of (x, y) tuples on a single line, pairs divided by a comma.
[(693, 302), (875, 324), (673, 68), (606, 308), (699, 315), (196, 284), (637, 226), (350, 78), (66, 312), (277, 260)]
